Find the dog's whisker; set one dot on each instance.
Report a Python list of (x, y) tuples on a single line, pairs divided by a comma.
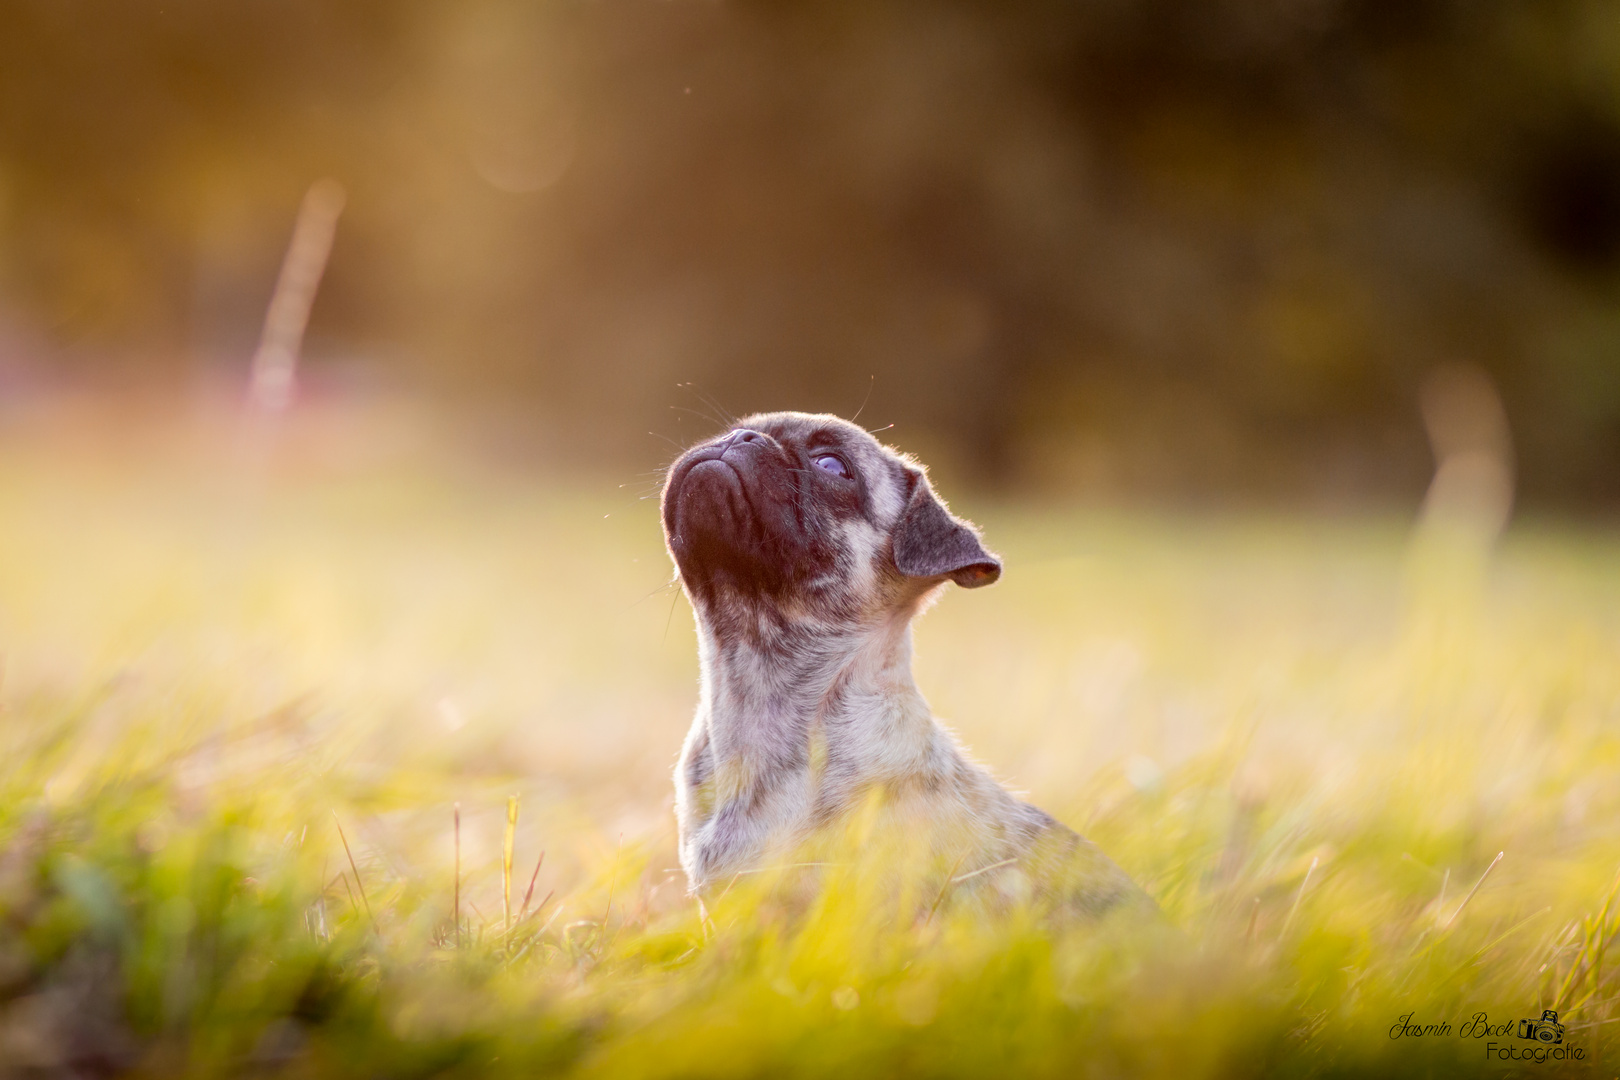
[(715, 420), (666, 438), (870, 386), (712, 402), (670, 618), (665, 586)]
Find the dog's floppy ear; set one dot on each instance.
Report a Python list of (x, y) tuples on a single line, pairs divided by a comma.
[(929, 541)]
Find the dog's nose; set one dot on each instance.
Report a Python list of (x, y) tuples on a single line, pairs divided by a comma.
[(738, 437)]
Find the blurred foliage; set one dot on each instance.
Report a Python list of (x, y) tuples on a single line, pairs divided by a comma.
[(1121, 244), (1306, 747)]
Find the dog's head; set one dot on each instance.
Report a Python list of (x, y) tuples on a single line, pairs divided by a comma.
[(794, 508)]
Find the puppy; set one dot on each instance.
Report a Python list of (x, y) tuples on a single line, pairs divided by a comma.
[(806, 548)]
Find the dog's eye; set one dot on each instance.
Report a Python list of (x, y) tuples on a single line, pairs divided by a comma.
[(834, 464)]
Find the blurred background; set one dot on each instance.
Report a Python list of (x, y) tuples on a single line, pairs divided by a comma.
[(1274, 344), (1178, 248)]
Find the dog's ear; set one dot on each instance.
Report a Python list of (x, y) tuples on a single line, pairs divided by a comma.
[(930, 541)]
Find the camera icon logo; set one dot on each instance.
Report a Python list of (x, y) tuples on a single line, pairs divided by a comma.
[(1546, 1030)]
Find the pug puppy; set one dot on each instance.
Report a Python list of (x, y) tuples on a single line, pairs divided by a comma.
[(806, 548)]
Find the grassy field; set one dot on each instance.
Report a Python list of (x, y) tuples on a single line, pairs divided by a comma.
[(247, 696)]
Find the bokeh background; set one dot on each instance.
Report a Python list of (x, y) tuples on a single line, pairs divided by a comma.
[(1275, 345), (1125, 247)]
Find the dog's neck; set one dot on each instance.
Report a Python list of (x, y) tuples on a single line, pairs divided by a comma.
[(770, 692)]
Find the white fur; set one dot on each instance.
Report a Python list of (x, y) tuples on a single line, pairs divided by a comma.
[(808, 707)]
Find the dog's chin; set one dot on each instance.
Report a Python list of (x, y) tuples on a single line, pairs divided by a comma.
[(711, 499), (715, 534)]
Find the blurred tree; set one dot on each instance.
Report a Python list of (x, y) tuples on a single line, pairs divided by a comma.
[(1150, 244)]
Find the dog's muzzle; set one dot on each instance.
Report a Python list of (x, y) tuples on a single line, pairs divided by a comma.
[(729, 509)]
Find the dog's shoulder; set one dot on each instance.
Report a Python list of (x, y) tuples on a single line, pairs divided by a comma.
[(1047, 862)]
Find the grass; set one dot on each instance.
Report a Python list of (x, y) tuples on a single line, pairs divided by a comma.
[(245, 709)]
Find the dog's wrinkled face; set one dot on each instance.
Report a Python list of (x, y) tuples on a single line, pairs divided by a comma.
[(799, 508)]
